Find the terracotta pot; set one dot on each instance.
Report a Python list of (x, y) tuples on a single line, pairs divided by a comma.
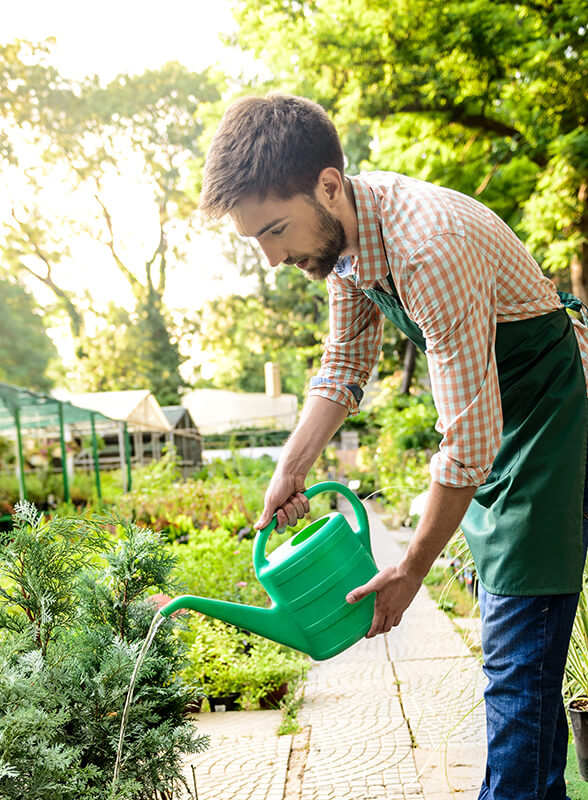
[(579, 719)]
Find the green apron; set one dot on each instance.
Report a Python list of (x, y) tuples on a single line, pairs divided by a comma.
[(524, 524)]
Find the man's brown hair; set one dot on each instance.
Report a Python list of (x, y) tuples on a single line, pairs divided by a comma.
[(277, 144)]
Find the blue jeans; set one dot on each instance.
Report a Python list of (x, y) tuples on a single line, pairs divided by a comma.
[(525, 643)]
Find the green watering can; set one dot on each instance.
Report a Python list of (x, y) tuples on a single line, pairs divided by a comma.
[(307, 579)]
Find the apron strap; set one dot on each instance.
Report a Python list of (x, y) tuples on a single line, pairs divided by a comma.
[(575, 304)]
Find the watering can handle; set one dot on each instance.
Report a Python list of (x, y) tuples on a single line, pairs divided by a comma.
[(363, 531)]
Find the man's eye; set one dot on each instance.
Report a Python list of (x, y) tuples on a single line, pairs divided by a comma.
[(278, 231)]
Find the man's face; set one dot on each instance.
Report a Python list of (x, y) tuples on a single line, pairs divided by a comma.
[(298, 231)]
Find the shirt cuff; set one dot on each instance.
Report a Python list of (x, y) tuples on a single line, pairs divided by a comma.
[(346, 395), (448, 472)]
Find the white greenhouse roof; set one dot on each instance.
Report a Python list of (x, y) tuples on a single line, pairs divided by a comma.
[(137, 407)]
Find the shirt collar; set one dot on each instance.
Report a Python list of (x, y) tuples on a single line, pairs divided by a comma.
[(370, 266)]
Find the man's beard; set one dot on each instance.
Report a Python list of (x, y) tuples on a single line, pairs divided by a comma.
[(330, 232)]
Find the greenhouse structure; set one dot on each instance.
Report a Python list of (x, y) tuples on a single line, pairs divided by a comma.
[(22, 410)]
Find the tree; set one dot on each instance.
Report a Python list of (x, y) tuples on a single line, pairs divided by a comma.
[(74, 613), (131, 350), (143, 129), (25, 348), (487, 96), (285, 324)]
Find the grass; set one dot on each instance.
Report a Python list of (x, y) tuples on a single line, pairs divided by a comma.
[(451, 595), (577, 788), (292, 704)]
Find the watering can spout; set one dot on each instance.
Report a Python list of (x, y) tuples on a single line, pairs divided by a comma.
[(271, 623)]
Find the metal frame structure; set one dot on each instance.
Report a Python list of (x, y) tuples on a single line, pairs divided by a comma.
[(22, 409)]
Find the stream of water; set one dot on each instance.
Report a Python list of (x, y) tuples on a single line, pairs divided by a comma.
[(158, 620)]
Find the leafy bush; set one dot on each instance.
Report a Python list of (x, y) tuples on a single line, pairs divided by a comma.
[(404, 439), (215, 564), (228, 494), (226, 659), (576, 675), (73, 615)]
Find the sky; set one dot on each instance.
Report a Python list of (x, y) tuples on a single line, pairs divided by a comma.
[(129, 36), (116, 36)]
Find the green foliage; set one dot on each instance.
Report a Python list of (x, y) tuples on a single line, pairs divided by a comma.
[(74, 616), (225, 660), (398, 441), (285, 323), (490, 98), (292, 703), (42, 485), (25, 348), (213, 563), (158, 476), (227, 494), (576, 675), (409, 422), (41, 562), (450, 593)]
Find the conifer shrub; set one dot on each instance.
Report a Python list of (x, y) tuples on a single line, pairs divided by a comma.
[(74, 612)]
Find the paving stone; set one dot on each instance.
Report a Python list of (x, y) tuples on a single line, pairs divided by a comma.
[(443, 700)]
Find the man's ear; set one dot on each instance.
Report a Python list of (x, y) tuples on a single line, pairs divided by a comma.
[(330, 189)]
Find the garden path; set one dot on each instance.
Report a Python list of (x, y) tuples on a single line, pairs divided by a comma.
[(398, 717)]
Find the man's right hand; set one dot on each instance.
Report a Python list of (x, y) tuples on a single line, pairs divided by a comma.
[(284, 497)]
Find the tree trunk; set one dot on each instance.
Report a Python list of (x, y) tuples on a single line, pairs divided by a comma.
[(579, 263), (409, 364)]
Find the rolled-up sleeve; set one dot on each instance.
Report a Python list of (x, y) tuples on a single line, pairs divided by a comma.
[(352, 346), (450, 292)]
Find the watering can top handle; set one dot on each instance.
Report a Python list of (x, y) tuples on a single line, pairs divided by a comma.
[(362, 530)]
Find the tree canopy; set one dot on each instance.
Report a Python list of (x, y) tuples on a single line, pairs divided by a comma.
[(25, 349), (93, 139), (486, 96)]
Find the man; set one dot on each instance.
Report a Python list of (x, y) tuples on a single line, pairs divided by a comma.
[(506, 375)]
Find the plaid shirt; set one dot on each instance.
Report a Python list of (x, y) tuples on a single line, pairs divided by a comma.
[(458, 270)]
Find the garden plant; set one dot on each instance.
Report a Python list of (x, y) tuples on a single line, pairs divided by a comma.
[(74, 611)]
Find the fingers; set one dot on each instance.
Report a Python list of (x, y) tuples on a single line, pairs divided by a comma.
[(393, 596), (373, 585), (383, 623), (296, 507)]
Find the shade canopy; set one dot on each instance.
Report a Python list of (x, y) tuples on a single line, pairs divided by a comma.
[(35, 410), (137, 407)]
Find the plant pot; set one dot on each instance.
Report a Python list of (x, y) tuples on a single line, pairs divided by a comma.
[(471, 581), (579, 719), (194, 706), (272, 699), (226, 702)]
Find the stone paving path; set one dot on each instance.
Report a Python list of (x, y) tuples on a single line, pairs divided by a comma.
[(392, 718)]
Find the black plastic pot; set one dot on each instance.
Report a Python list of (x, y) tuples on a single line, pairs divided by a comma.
[(226, 702), (579, 720)]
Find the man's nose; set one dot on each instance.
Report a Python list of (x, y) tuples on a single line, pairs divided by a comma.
[(274, 253)]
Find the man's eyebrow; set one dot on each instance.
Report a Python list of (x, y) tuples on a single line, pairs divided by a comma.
[(268, 226)]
